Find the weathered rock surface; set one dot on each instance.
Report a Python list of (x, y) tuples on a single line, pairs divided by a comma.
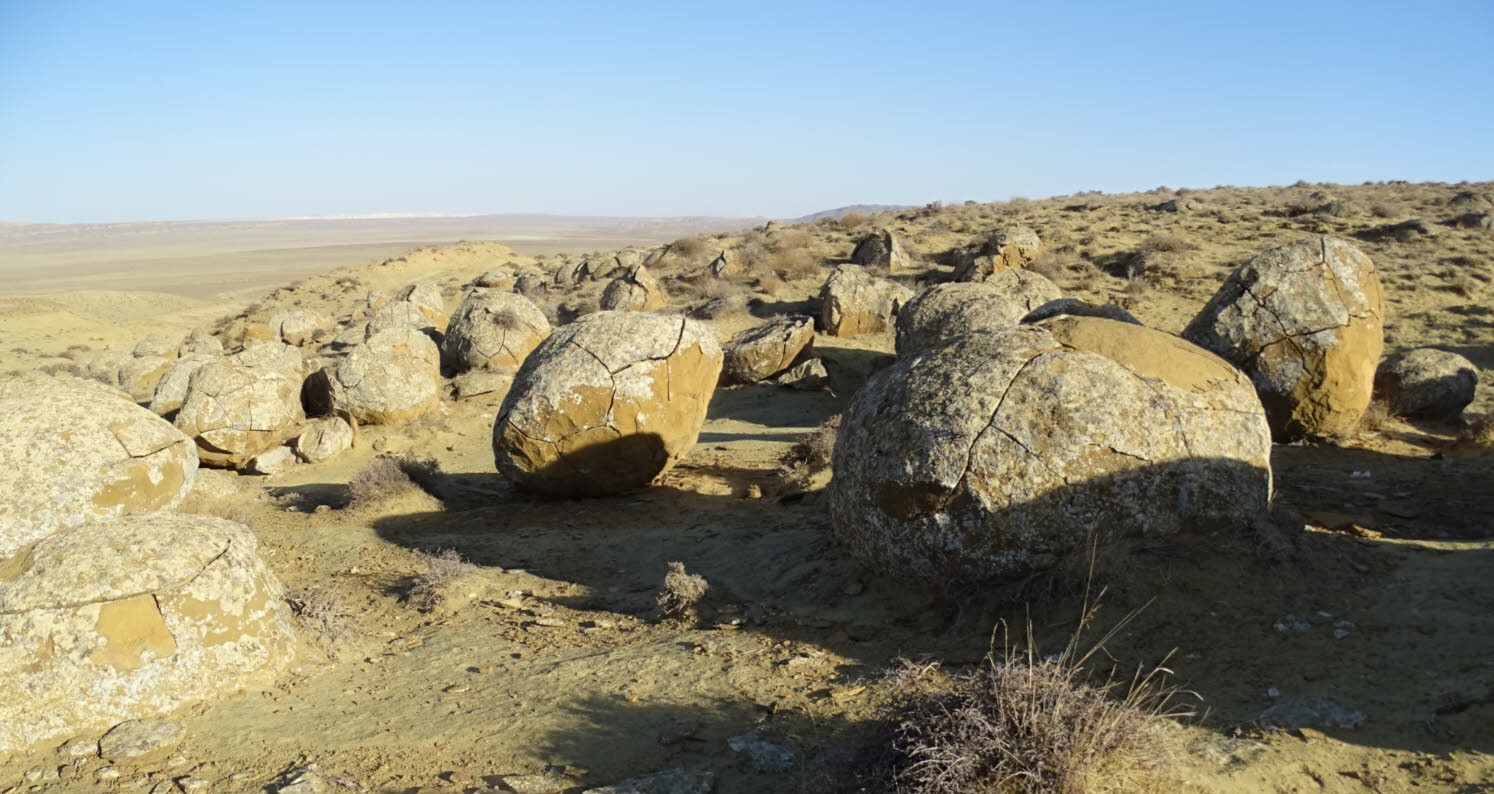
[(492, 330), (162, 345), (72, 451), (427, 299), (272, 461), (132, 618), (279, 357), (479, 382), (171, 389), (324, 438), (635, 290), (607, 404), (495, 279), (759, 353), (1306, 322), (236, 412), (202, 343), (854, 302), (139, 377), (299, 327), (1074, 307), (1427, 382), (881, 249), (1001, 452), (568, 274), (395, 376), (807, 375), (1013, 247), (945, 311)]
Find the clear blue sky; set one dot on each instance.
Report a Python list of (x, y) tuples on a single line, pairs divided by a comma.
[(113, 111)]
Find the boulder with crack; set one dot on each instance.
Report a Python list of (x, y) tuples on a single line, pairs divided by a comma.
[(761, 352), (395, 376), (945, 311), (492, 330), (1003, 249), (635, 290), (854, 302), (236, 412)]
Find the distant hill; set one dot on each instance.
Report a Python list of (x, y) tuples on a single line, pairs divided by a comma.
[(864, 209)]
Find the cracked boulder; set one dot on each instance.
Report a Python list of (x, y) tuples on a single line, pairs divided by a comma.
[(1001, 453), (133, 618), (139, 377), (171, 389), (759, 353), (1427, 382), (607, 404), (418, 306), (881, 249), (945, 311), (1004, 249), (324, 438), (854, 302), (492, 330), (299, 327), (395, 376), (73, 451), (635, 290), (235, 412), (1306, 322)]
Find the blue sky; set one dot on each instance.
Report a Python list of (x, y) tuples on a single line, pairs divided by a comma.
[(115, 111)]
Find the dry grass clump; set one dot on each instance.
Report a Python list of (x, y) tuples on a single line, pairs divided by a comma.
[(323, 614), (442, 567), (806, 464), (689, 249), (853, 219), (682, 593), (388, 475)]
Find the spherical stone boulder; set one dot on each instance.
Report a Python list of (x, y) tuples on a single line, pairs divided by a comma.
[(140, 377), (393, 377), (171, 389), (1306, 322), (399, 314), (236, 412), (163, 345), (1427, 382), (73, 451), (568, 274), (277, 356), (945, 311), (133, 618), (1074, 307), (427, 299), (881, 249), (759, 353), (607, 404), (201, 342), (324, 438), (299, 327), (495, 279), (854, 302), (636, 290), (1004, 249), (1000, 453), (492, 330)]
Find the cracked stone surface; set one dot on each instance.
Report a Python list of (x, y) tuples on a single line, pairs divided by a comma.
[(1075, 307), (1427, 382), (235, 412), (171, 389), (759, 353), (139, 377), (607, 404), (881, 249), (395, 376), (635, 290), (298, 327), (73, 451), (1306, 322), (1004, 249), (492, 330), (1002, 452), (945, 311), (324, 438), (854, 302), (133, 618)]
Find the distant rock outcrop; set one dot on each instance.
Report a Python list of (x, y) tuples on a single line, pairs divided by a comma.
[(854, 302), (1004, 249), (881, 249)]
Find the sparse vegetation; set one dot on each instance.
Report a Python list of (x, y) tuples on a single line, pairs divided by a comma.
[(442, 567), (323, 614), (389, 475), (682, 593)]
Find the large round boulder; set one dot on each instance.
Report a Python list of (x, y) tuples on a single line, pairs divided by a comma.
[(945, 311), (881, 249), (492, 330), (393, 377), (73, 451), (171, 389), (236, 412), (132, 618), (1427, 382), (607, 404), (635, 290), (299, 327), (854, 302), (759, 353), (1003, 249), (1306, 322), (1001, 452)]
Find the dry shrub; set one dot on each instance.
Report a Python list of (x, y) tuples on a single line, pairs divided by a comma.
[(442, 567), (1165, 244), (389, 475), (792, 264), (806, 464), (1478, 431), (682, 593), (853, 219), (323, 614), (1049, 265), (689, 248)]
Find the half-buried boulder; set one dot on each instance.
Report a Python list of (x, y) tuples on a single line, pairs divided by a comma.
[(854, 302), (1306, 322), (236, 412), (132, 618), (607, 404), (635, 290), (492, 330), (1000, 453), (945, 311), (759, 353), (1427, 382), (73, 451), (393, 377)]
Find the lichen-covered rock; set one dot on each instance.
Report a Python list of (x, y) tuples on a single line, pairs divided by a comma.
[(607, 404), (759, 353), (399, 314), (1074, 307), (272, 461), (171, 389), (1427, 382), (279, 357), (492, 330), (132, 618), (945, 311), (881, 249), (808, 375), (299, 327), (1004, 249), (73, 451), (139, 377), (393, 377), (635, 290), (531, 284), (324, 438), (1306, 322), (568, 274), (480, 382), (1001, 452), (161, 345), (105, 365), (236, 412), (427, 300), (854, 302), (201, 343), (495, 279)]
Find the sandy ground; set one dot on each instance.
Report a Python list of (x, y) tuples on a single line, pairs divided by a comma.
[(1370, 586)]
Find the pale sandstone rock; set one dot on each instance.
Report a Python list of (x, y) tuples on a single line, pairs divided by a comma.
[(1074, 307), (236, 412), (607, 404), (393, 377), (759, 353), (201, 343), (139, 377), (324, 438), (1004, 249), (635, 290), (945, 311), (171, 389), (162, 345), (492, 329), (853, 302), (299, 327), (1427, 382)]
